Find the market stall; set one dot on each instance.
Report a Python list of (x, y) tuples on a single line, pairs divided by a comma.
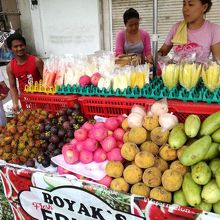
[(100, 138)]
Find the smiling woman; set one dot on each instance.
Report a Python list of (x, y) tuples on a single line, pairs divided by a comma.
[(194, 32)]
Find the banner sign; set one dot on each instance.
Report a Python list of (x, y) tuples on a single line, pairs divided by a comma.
[(44, 196)]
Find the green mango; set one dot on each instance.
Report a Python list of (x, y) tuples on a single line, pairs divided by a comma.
[(179, 198), (217, 176), (177, 137), (196, 151), (214, 165), (191, 190), (212, 152), (216, 207), (211, 192), (201, 173), (216, 136), (204, 206), (192, 125), (210, 124)]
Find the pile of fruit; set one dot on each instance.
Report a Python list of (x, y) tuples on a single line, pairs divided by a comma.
[(96, 142), (57, 131), (20, 138), (179, 163), (38, 135)]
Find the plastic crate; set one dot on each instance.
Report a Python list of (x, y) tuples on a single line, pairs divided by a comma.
[(50, 103), (113, 106), (155, 90)]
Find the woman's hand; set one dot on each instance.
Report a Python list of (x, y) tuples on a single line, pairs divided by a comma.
[(3, 96), (16, 109), (149, 59)]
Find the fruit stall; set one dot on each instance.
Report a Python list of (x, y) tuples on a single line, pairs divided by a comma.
[(135, 146)]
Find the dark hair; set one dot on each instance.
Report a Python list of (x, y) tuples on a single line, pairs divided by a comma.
[(130, 13), (15, 36), (209, 2)]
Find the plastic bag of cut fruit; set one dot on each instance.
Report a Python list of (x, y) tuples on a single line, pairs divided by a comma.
[(50, 72)]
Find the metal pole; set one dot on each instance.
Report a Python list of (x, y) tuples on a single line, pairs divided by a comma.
[(155, 35)]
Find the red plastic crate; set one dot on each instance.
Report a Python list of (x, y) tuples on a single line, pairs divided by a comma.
[(50, 103), (113, 106)]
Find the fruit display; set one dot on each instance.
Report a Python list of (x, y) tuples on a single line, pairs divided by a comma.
[(96, 142), (188, 75), (211, 76), (20, 139), (166, 164), (96, 71), (170, 75), (58, 131), (38, 135)]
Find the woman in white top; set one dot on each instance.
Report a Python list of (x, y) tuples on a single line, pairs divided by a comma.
[(2, 97)]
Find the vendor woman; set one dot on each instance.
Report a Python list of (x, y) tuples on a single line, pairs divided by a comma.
[(194, 33), (133, 39)]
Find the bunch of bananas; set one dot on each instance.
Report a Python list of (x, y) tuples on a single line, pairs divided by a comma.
[(170, 75), (189, 75), (211, 76)]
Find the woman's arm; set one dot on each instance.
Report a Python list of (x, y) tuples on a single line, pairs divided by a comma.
[(216, 51), (119, 43), (13, 88), (164, 50)]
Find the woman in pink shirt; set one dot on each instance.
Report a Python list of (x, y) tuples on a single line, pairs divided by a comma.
[(133, 39), (203, 37)]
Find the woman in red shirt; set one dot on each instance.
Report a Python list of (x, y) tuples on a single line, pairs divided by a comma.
[(24, 67)]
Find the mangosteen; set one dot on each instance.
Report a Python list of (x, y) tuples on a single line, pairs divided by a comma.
[(72, 121), (62, 119), (30, 163), (51, 147), (54, 139), (70, 133), (70, 118), (68, 140), (46, 162), (54, 129), (57, 152), (43, 136), (69, 111), (61, 133), (66, 125), (41, 127), (81, 119), (47, 127), (54, 121), (60, 145), (44, 145), (76, 106), (75, 113), (76, 126), (92, 121), (53, 164)]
